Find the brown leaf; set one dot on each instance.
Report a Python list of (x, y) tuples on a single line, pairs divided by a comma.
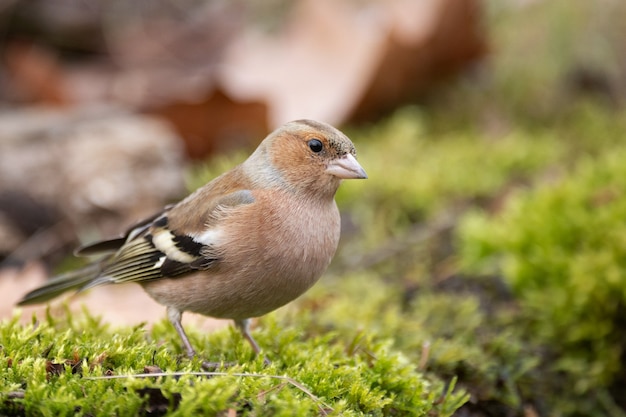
[(35, 73), (98, 360), (232, 123), (152, 369), (53, 368)]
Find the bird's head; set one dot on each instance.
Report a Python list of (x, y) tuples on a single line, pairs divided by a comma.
[(307, 156)]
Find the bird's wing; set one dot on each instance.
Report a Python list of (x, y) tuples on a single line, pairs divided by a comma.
[(113, 245), (155, 250)]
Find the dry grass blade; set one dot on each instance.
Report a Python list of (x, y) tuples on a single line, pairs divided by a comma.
[(323, 407)]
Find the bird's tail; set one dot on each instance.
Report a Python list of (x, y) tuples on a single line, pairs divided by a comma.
[(75, 280)]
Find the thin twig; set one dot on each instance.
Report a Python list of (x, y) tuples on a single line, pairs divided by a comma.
[(298, 385)]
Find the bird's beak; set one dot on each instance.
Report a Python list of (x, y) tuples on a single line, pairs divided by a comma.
[(346, 168)]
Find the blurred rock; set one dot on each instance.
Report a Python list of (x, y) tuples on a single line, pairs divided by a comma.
[(427, 42), (99, 166), (226, 72), (72, 25), (354, 61)]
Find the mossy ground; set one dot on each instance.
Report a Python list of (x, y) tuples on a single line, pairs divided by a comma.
[(72, 366), (481, 270)]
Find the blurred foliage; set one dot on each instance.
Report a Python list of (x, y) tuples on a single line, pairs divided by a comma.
[(414, 175), (546, 56), (521, 293), (562, 247)]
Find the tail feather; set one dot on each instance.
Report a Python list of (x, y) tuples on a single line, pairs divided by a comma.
[(101, 247), (75, 280)]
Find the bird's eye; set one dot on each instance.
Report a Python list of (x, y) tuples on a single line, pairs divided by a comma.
[(316, 145)]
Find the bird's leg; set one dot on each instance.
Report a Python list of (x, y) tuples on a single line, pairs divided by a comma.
[(244, 327), (175, 317)]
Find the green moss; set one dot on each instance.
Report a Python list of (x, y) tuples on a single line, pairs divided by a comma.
[(54, 363), (415, 177), (561, 246)]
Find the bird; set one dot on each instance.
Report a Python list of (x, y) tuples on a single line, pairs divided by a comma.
[(246, 243)]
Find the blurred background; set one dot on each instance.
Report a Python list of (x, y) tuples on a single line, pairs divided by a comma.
[(105, 102), (487, 241)]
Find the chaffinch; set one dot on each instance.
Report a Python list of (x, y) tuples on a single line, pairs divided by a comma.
[(248, 242)]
